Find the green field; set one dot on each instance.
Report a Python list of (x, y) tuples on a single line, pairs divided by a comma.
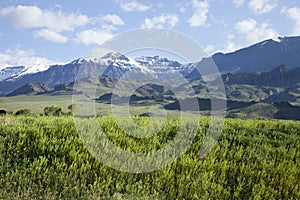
[(235, 109), (44, 158), (36, 103)]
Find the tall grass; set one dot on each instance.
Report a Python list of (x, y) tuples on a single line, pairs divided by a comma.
[(44, 158)]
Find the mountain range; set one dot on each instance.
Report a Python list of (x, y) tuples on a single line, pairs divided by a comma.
[(260, 57), (264, 73)]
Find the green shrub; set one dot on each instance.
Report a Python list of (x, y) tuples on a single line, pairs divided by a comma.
[(73, 108), (25, 112), (53, 111)]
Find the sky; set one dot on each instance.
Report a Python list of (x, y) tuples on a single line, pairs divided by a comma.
[(58, 31)]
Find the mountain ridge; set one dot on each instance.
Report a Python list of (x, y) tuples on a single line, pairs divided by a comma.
[(280, 76), (260, 57), (32, 88)]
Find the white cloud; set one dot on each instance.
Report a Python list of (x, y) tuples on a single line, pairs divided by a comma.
[(231, 47), (209, 49), (182, 9), (51, 25), (92, 36), (133, 5), (161, 5), (293, 14), (34, 17), (114, 19), (18, 57), (51, 35), (253, 32), (261, 6), (238, 3), (164, 20), (199, 17)]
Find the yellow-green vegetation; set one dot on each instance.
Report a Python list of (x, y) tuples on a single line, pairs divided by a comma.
[(44, 158), (36, 103)]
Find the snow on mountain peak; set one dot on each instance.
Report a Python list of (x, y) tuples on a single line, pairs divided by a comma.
[(106, 58), (7, 72), (18, 71), (157, 61), (139, 64), (278, 39), (35, 69), (114, 55)]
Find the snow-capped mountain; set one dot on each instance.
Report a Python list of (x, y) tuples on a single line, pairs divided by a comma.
[(118, 65), (18, 71), (263, 56), (8, 72), (112, 64), (160, 66)]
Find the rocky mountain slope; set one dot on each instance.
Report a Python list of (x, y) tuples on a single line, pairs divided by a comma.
[(32, 88), (257, 58), (262, 56), (278, 77)]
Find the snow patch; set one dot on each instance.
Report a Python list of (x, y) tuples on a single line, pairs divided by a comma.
[(278, 39)]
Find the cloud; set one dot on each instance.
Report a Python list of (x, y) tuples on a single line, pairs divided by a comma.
[(261, 6), (231, 47), (162, 21), (51, 36), (209, 49), (230, 44), (293, 14), (114, 19), (253, 32), (238, 3), (199, 17), (92, 36), (18, 57), (133, 5), (51, 25), (182, 9), (23, 17)]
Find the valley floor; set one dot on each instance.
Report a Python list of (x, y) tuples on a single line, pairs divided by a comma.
[(235, 109)]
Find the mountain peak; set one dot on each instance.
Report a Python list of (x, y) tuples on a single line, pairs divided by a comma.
[(262, 56), (278, 39), (113, 55)]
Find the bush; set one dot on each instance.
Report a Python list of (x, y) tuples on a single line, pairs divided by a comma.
[(25, 112), (3, 112), (53, 111), (73, 108)]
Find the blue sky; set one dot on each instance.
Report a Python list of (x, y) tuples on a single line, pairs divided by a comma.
[(44, 32)]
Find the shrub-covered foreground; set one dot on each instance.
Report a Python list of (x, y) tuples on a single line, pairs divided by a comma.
[(44, 158)]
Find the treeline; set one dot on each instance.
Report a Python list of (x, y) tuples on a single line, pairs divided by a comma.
[(48, 111)]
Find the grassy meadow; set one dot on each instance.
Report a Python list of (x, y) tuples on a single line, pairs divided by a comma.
[(45, 158)]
